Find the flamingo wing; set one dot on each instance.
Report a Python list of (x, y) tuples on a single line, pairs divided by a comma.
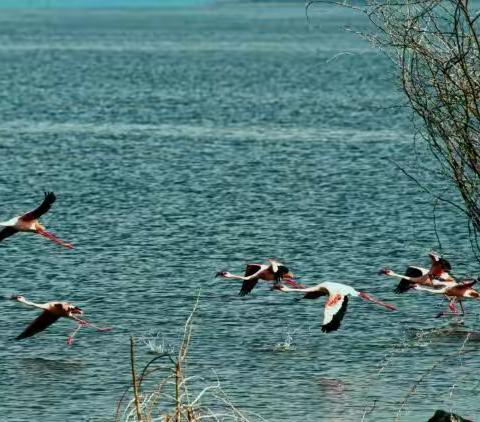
[(405, 285), (42, 209), (316, 294), (248, 285), (7, 232), (44, 320), (335, 309), (445, 264), (466, 283)]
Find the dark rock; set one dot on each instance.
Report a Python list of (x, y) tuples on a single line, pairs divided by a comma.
[(442, 416)]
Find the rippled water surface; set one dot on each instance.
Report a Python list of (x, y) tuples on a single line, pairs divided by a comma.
[(183, 142)]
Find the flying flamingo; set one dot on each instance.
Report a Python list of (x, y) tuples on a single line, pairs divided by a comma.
[(29, 222), (453, 293), (336, 304), (274, 271), (437, 275), (52, 311)]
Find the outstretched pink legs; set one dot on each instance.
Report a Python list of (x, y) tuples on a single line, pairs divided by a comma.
[(83, 323), (54, 238), (366, 296)]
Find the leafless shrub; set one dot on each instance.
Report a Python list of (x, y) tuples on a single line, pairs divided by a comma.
[(435, 46)]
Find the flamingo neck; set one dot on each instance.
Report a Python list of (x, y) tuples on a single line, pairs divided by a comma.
[(430, 290), (31, 304), (233, 276), (395, 275)]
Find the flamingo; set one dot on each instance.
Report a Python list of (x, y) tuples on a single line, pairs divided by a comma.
[(274, 271), (28, 222), (336, 304), (437, 275), (453, 293), (52, 311)]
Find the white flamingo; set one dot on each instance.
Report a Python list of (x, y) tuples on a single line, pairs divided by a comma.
[(336, 304)]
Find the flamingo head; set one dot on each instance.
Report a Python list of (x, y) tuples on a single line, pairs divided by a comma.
[(222, 274), (287, 275), (385, 271), (75, 310), (18, 298)]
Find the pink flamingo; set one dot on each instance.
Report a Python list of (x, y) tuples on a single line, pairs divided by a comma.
[(453, 293), (52, 311), (437, 275), (274, 271), (28, 222)]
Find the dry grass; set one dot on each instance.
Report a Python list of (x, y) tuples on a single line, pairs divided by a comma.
[(170, 400)]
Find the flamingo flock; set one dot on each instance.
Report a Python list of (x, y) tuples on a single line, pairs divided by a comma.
[(51, 311), (435, 280)]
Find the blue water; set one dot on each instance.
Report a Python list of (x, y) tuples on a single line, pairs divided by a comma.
[(183, 142), (89, 4)]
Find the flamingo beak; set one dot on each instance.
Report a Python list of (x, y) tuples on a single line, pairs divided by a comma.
[(76, 310), (293, 283)]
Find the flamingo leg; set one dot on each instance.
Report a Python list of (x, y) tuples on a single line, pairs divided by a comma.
[(442, 313), (366, 296), (452, 307), (53, 238), (461, 306), (72, 334), (82, 323)]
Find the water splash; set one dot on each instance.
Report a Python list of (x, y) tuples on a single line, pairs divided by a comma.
[(157, 344), (287, 344)]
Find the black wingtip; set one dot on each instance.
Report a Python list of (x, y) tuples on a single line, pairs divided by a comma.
[(328, 329), (50, 196)]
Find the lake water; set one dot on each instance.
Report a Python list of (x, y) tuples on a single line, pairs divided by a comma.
[(184, 142)]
